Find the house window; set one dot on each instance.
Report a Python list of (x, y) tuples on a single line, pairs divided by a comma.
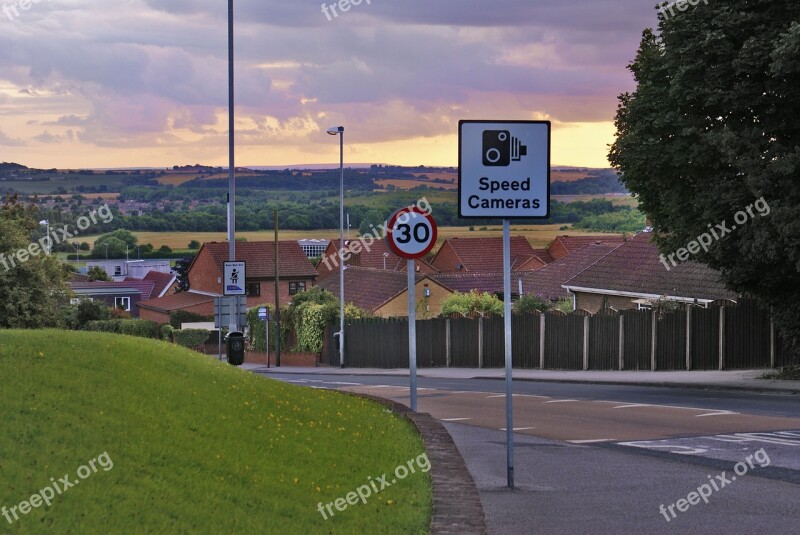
[(123, 302), (253, 289), (117, 271), (296, 287)]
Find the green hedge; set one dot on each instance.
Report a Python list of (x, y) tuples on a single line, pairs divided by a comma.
[(140, 328), (256, 329), (191, 338)]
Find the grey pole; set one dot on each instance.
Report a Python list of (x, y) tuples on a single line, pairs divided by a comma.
[(231, 163), (412, 335), (341, 244), (507, 322)]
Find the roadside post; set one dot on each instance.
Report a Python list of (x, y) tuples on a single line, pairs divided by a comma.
[(504, 173), (263, 314), (411, 234)]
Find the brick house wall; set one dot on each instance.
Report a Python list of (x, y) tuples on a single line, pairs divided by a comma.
[(430, 306), (446, 259), (557, 249)]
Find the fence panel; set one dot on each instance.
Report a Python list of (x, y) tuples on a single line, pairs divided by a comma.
[(464, 342), (376, 344), (604, 341), (705, 338), (638, 339), (494, 342), (563, 342), (432, 343), (671, 341), (525, 342), (747, 336)]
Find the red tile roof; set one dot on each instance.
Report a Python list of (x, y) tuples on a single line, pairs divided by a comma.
[(372, 258), (160, 280), (544, 255), (368, 288), (260, 258), (172, 302), (466, 282), (486, 254), (573, 243), (635, 268), (547, 281)]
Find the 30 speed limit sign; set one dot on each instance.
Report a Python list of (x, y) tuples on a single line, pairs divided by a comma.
[(411, 233)]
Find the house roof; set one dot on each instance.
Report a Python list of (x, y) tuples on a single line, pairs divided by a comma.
[(486, 254), (372, 259), (260, 258), (172, 302), (145, 288), (634, 268), (574, 243), (465, 282), (161, 281), (369, 288), (547, 281), (544, 255)]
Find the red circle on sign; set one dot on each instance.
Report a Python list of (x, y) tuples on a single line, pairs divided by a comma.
[(400, 249)]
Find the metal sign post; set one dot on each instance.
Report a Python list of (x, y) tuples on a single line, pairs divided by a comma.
[(504, 173), (411, 233)]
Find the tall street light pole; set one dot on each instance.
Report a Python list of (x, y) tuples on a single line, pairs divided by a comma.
[(231, 163), (339, 131)]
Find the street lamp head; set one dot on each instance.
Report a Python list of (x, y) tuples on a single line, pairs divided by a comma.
[(335, 130), (44, 222)]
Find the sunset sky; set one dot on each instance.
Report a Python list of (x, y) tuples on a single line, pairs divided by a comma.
[(135, 83)]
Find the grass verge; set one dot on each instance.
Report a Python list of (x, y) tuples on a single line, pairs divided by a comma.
[(196, 446), (787, 373)]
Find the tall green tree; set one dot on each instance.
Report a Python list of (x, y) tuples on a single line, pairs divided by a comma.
[(712, 127), (31, 285)]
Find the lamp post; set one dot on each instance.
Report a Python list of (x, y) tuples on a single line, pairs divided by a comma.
[(339, 131), (46, 223)]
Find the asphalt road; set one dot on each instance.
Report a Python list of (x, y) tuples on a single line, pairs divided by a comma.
[(603, 458)]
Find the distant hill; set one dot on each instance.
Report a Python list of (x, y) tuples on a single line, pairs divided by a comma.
[(10, 166)]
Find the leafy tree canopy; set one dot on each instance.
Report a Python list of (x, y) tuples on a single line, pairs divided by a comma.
[(710, 129)]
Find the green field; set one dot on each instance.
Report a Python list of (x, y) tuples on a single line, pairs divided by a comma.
[(538, 235), (181, 443)]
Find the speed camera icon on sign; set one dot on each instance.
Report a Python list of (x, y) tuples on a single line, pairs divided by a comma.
[(500, 148)]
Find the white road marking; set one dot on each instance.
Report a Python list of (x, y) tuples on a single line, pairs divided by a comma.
[(455, 419), (592, 441), (632, 405), (716, 413), (518, 428), (562, 400)]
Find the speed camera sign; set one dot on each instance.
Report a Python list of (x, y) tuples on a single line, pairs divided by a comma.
[(411, 233)]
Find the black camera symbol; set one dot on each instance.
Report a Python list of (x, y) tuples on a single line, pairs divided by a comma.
[(500, 148)]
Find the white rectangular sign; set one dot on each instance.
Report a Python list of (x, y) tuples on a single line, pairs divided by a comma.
[(504, 169), (233, 281)]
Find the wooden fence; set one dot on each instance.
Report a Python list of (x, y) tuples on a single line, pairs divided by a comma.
[(725, 335)]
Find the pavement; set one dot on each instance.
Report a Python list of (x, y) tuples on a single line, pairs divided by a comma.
[(735, 380)]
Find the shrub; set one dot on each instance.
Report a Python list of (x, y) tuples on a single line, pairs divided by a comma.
[(473, 301), (91, 311), (529, 303), (167, 333), (564, 305), (138, 328), (191, 338), (182, 316)]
